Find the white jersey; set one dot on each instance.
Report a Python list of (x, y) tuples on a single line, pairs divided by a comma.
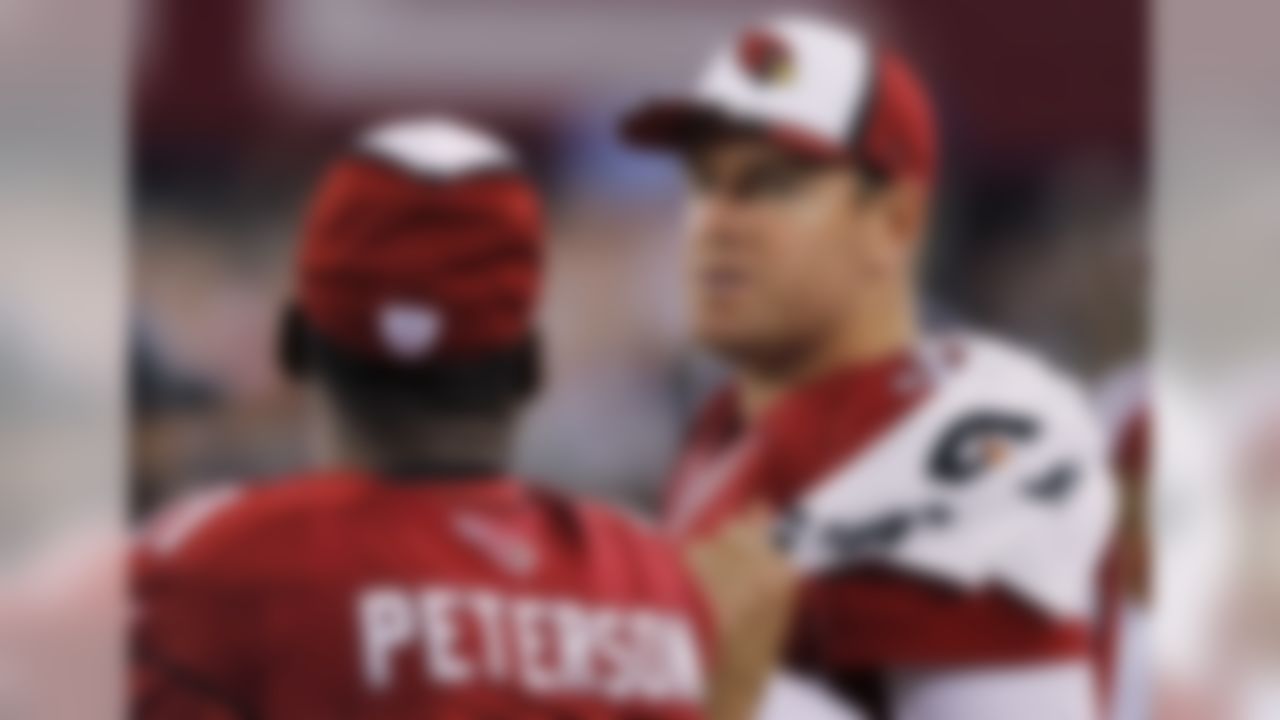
[(999, 477), (971, 481)]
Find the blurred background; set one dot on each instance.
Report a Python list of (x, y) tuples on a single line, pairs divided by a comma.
[(225, 110), (239, 103)]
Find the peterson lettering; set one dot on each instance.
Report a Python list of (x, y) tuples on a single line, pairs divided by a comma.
[(466, 637)]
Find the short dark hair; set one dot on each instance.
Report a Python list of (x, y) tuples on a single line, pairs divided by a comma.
[(497, 382)]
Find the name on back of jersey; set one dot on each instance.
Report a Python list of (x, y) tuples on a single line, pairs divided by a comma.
[(456, 637)]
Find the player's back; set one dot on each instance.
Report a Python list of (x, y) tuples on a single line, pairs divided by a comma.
[(346, 597)]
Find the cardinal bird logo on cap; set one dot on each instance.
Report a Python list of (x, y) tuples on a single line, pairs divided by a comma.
[(766, 58)]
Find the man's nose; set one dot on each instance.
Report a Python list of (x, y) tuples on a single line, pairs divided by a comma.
[(723, 220)]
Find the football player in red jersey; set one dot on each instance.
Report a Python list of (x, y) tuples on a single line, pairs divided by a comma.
[(946, 495), (416, 578)]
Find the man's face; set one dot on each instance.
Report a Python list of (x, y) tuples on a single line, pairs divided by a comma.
[(780, 248)]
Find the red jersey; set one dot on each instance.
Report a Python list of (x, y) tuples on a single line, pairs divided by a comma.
[(344, 597), (927, 571)]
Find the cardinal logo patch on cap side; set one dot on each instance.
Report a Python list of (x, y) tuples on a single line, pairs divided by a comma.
[(409, 331), (766, 58)]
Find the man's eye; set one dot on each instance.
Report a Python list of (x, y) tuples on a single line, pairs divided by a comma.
[(774, 184), (698, 180)]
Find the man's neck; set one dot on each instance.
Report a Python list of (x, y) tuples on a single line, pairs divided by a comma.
[(454, 450), (857, 343)]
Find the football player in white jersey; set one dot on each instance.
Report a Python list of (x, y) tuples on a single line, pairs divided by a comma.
[(948, 497)]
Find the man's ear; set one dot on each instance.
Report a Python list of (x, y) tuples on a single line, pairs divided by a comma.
[(907, 212)]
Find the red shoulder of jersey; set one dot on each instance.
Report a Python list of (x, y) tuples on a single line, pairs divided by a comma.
[(234, 530), (198, 573), (724, 463)]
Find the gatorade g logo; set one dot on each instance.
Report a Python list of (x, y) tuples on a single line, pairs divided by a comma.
[(766, 58), (979, 442)]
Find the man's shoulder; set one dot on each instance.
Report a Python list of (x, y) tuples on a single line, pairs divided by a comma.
[(240, 525), (995, 372), (615, 547), (1024, 369), (596, 525), (999, 476)]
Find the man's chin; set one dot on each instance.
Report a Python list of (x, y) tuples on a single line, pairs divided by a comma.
[(724, 341), (751, 350), (735, 346)]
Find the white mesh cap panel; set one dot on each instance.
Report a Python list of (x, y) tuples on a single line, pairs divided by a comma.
[(437, 147), (822, 90)]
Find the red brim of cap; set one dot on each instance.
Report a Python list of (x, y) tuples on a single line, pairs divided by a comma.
[(678, 123)]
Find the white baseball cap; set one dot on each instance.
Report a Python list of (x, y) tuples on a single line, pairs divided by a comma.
[(816, 87)]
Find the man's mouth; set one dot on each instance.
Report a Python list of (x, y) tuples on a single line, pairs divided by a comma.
[(723, 280)]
